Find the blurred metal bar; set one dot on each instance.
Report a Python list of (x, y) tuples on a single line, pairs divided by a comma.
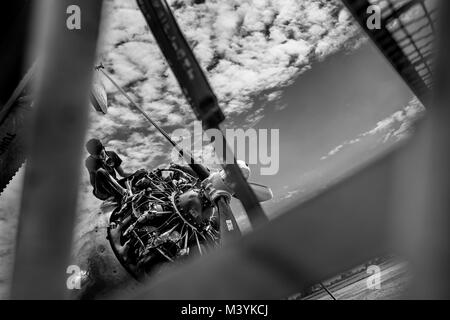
[(423, 207), (52, 175)]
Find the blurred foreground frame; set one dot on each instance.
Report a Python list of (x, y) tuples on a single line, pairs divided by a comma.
[(48, 206), (398, 203)]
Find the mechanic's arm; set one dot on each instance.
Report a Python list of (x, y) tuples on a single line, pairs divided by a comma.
[(188, 169), (122, 173)]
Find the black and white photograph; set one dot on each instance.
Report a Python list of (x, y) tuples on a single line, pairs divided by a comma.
[(216, 151)]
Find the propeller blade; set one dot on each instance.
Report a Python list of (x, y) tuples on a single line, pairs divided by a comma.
[(198, 92), (229, 229), (263, 193)]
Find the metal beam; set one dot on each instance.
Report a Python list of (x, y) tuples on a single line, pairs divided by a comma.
[(52, 175)]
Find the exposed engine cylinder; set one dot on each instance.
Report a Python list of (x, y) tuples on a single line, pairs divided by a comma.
[(167, 218)]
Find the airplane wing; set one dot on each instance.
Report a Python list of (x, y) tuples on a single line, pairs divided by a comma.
[(13, 127)]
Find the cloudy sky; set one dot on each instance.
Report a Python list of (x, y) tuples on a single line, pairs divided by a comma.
[(255, 54), (300, 66)]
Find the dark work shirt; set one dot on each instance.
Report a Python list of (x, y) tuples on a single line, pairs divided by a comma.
[(113, 161)]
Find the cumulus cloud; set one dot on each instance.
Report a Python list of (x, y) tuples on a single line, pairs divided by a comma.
[(245, 47), (394, 128)]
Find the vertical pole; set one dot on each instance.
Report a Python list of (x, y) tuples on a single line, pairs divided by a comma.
[(58, 128)]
